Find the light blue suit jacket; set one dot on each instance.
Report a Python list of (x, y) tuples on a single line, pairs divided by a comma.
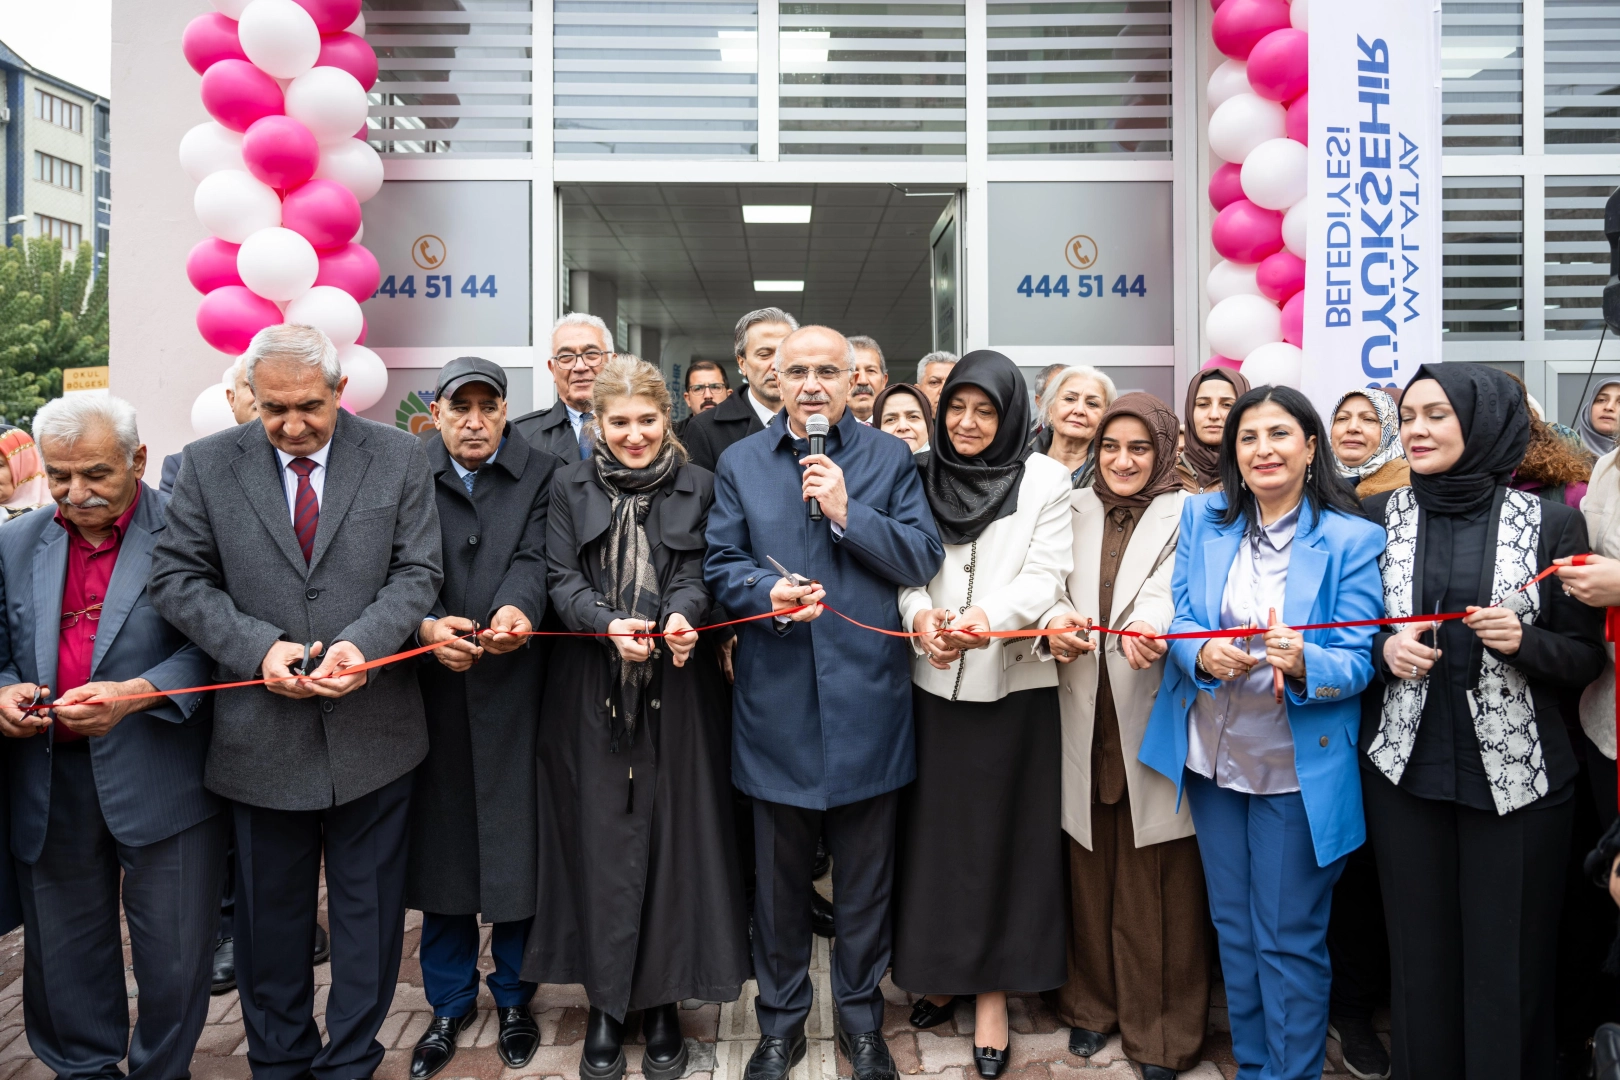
[(1333, 576)]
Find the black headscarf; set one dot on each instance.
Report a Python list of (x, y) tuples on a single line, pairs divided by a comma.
[(968, 493), (1496, 431)]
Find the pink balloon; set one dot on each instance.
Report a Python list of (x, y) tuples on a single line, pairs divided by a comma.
[(351, 268), (1226, 185), (1244, 232), (351, 53), (1222, 362), (1280, 276), (212, 265), (1297, 121), (324, 212), (236, 94), (1279, 65), (1293, 320), (280, 152), (210, 38), (229, 316), (1239, 25), (331, 15)]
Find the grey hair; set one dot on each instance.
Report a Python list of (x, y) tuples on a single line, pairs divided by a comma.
[(939, 356), (1054, 386), (753, 319), (861, 341), (849, 346), (585, 318), (299, 344), (65, 420)]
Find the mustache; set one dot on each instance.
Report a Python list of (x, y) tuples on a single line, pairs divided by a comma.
[(813, 397), (94, 502), (862, 390)]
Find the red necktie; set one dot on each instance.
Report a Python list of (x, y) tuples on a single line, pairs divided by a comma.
[(306, 509)]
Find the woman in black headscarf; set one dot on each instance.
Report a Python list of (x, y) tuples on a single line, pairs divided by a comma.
[(979, 906), (1468, 772)]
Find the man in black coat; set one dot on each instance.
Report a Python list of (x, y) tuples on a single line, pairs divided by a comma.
[(740, 415), (580, 345), (473, 824)]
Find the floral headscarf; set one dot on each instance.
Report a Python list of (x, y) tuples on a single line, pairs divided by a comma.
[(1389, 443)]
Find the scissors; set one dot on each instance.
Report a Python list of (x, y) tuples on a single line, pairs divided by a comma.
[(792, 578)]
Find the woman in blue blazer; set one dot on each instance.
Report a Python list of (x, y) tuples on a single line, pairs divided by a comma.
[(1274, 786)]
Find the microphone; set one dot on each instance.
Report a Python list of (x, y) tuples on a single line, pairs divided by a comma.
[(816, 428), (1611, 290)]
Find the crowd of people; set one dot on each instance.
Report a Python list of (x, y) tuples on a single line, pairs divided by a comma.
[(620, 686)]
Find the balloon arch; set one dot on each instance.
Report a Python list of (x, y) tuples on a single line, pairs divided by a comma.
[(281, 172)]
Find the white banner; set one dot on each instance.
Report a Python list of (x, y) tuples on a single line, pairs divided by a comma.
[(1372, 278)]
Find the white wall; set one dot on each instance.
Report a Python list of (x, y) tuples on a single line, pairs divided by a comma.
[(158, 360)]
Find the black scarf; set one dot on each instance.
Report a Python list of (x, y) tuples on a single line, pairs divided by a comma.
[(968, 493), (627, 567), (1496, 431)]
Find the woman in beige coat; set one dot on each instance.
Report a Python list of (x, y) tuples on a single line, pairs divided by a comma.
[(1138, 944)]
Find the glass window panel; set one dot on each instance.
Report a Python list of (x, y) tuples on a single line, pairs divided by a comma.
[(1583, 76), (1483, 256), (1482, 72), (1577, 254)]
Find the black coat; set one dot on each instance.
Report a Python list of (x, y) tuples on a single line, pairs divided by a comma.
[(639, 887), (549, 430), (472, 844), (708, 434)]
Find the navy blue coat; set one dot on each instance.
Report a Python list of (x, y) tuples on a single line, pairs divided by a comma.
[(822, 710), (149, 768)]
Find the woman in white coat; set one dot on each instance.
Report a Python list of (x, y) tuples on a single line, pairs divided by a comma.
[(979, 870), (1138, 944)]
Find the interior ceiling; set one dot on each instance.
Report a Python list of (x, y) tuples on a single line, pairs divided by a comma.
[(685, 263)]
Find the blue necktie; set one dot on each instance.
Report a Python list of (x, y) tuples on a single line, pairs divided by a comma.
[(586, 443), (467, 479)]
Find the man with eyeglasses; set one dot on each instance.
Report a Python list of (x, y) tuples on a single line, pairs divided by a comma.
[(821, 729), (756, 338), (580, 345), (706, 387)]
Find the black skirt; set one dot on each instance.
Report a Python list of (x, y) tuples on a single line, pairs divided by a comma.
[(979, 887)]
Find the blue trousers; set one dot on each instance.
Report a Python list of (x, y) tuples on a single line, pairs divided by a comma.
[(450, 963), (1270, 903)]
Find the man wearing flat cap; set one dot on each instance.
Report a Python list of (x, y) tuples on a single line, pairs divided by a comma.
[(473, 839)]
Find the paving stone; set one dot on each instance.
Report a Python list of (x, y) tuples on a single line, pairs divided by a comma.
[(392, 1025), (937, 1053), (1205, 1070), (702, 1023), (1053, 1046)]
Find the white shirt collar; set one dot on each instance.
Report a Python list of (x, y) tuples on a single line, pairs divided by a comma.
[(764, 412), (318, 457)]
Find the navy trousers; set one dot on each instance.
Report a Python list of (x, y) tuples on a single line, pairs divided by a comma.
[(1270, 903), (450, 963)]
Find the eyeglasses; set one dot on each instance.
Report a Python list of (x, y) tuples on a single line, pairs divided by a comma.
[(826, 373), (591, 358), (70, 619), (706, 388)]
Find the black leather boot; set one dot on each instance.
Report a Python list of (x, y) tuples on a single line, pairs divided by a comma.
[(603, 1056), (665, 1057)]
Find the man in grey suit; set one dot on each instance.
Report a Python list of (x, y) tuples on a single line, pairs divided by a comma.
[(107, 791), (308, 528), (580, 345)]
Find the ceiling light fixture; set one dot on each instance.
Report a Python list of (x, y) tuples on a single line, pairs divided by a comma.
[(778, 286), (775, 215)]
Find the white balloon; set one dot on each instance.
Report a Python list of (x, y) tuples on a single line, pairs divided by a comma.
[(1299, 13), (330, 310), (367, 375), (330, 102), (1242, 122), (353, 164), (208, 148), (278, 264), (211, 412), (1274, 173), (1294, 223), (358, 26), (1241, 324), (279, 37), (1229, 278), (1227, 81), (230, 8), (1276, 364), (233, 205)]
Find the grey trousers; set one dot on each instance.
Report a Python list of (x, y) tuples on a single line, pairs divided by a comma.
[(75, 1004)]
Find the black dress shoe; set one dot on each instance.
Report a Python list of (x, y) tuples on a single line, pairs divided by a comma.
[(603, 1055), (1156, 1072), (868, 1055), (775, 1056), (925, 1014), (519, 1037), (1083, 1042), (665, 1056), (438, 1044), (991, 1062), (821, 915), (223, 980), (823, 861), (323, 945)]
